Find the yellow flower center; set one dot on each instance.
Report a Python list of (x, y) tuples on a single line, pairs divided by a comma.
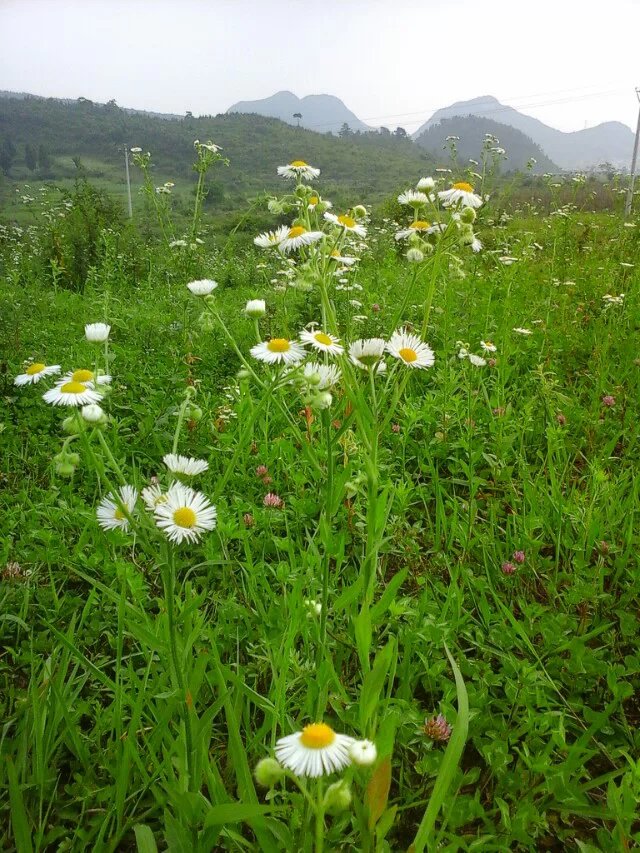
[(73, 388), (119, 515), (278, 345), (347, 221), (488, 343), (298, 164), (36, 367), (314, 199), (408, 354), (317, 736), (420, 225), (464, 186), (321, 338), (296, 231), (184, 517), (82, 375), (335, 253)]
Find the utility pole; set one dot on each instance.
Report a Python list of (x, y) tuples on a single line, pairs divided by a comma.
[(126, 169), (632, 176)]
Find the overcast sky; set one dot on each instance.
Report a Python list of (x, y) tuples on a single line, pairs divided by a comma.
[(570, 63)]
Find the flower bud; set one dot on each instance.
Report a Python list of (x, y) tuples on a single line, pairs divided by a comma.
[(93, 414), (97, 333), (359, 211), (323, 400), (194, 413), (268, 772), (275, 206), (65, 469), (363, 753), (72, 425), (255, 308), (468, 215), (337, 797), (415, 255)]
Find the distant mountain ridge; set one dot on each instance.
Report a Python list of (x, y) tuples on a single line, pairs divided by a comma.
[(322, 113), (610, 142), (471, 132)]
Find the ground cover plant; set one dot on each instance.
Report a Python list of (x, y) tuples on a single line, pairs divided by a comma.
[(329, 542)]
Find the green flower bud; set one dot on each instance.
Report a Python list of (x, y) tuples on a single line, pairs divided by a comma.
[(243, 373), (65, 469), (194, 413), (359, 211), (338, 797), (268, 772), (72, 425), (468, 215)]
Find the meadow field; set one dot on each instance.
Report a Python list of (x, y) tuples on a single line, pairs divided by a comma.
[(330, 540)]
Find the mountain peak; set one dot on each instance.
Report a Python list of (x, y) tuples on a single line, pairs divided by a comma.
[(322, 113)]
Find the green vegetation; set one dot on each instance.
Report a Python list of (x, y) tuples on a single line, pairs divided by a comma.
[(363, 165), (471, 133), (469, 531)]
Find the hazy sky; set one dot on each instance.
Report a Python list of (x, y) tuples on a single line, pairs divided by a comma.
[(570, 63)]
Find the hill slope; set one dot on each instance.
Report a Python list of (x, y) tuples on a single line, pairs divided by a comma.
[(362, 166), (322, 113), (610, 142), (472, 129)]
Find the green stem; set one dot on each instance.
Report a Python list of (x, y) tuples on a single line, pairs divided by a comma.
[(168, 577), (326, 559)]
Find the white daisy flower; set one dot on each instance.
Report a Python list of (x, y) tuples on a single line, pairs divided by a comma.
[(255, 308), (461, 193), (71, 393), (322, 342), (488, 346), (367, 352), (185, 514), (348, 223), (298, 236), (363, 753), (271, 239), (298, 169), (278, 350), (86, 377), (97, 333), (345, 260), (476, 245), (186, 465), (522, 331), (414, 198), (35, 372), (315, 751), (426, 184), (109, 512), (202, 287), (420, 226), (476, 360), (323, 376), (153, 496), (410, 349), (315, 200)]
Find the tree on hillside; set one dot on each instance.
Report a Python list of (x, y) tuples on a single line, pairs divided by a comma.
[(345, 130), (44, 159), (7, 155), (298, 116), (30, 157), (400, 133)]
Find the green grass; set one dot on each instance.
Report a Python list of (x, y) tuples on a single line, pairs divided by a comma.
[(105, 687)]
